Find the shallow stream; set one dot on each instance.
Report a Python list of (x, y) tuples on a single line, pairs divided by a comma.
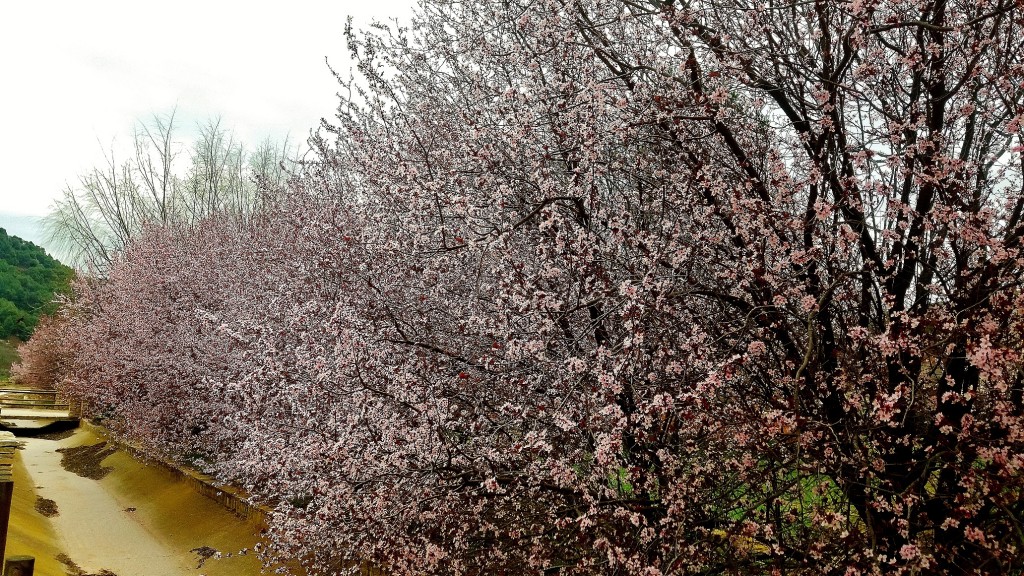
[(105, 513)]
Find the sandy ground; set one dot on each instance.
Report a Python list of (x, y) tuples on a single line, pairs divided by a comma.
[(30, 533), (138, 520)]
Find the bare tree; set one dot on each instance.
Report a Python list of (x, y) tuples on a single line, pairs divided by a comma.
[(155, 152), (113, 203)]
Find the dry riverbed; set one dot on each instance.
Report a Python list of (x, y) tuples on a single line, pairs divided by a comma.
[(84, 508)]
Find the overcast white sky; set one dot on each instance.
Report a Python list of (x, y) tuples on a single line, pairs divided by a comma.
[(75, 76)]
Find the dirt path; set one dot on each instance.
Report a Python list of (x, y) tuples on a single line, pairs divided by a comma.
[(130, 519)]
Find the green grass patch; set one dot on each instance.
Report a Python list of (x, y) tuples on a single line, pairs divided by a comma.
[(8, 356)]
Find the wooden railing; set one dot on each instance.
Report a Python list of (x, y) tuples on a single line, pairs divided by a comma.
[(37, 399), (32, 398)]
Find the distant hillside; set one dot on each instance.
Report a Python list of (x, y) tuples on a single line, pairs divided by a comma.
[(29, 278)]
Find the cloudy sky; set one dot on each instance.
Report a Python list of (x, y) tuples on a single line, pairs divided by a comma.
[(76, 75)]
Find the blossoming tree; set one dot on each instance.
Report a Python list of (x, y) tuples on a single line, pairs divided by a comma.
[(601, 287)]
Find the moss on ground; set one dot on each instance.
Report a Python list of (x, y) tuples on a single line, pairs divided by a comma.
[(74, 569), (46, 507), (86, 461)]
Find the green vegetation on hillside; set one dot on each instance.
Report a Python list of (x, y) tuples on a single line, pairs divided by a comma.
[(29, 278), (8, 356)]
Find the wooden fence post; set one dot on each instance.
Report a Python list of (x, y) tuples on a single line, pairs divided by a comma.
[(6, 495), (19, 566), (8, 444)]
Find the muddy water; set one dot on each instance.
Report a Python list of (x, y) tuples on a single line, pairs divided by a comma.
[(136, 520)]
